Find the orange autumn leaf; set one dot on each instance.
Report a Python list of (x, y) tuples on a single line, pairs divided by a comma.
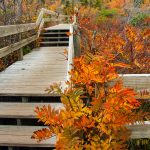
[(69, 33), (122, 65), (84, 123), (42, 134)]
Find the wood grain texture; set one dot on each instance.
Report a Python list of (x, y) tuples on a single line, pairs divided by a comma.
[(13, 47), (140, 131), (23, 110), (14, 29), (39, 69), (59, 27), (136, 81), (21, 136)]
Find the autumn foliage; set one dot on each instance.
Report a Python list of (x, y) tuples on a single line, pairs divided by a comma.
[(95, 109), (127, 43)]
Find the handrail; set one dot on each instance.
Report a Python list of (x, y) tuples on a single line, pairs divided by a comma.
[(16, 29), (70, 52), (40, 20), (41, 15), (13, 47)]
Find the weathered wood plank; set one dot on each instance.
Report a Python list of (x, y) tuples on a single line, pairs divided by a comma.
[(20, 136), (13, 47), (59, 26), (136, 81), (35, 73), (52, 13), (23, 110), (140, 131), (60, 18), (34, 93), (14, 29)]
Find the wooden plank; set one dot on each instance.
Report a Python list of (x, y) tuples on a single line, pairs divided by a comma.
[(70, 52), (52, 13), (14, 29), (35, 73), (13, 47), (59, 27), (55, 42), (20, 136), (35, 84), (23, 110), (20, 52), (41, 14), (34, 93), (136, 81), (140, 131), (51, 33), (55, 38)]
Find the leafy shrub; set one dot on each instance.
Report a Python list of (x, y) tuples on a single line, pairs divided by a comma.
[(138, 19), (108, 13), (94, 114)]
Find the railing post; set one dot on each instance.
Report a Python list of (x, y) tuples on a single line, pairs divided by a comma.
[(76, 37), (20, 53)]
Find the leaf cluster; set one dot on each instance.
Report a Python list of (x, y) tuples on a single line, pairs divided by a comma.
[(95, 109)]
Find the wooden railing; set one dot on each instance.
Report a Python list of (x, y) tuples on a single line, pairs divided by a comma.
[(53, 17), (18, 29), (70, 52), (143, 81)]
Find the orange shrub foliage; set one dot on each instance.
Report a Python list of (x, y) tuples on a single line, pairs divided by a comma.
[(127, 43), (94, 115)]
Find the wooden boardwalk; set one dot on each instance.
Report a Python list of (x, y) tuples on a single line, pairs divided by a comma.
[(21, 136), (37, 70), (23, 110), (58, 27), (35, 73)]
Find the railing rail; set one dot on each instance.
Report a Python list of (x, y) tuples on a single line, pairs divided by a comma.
[(41, 19), (70, 52), (14, 29), (20, 28)]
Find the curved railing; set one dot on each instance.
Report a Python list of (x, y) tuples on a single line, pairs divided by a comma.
[(20, 28)]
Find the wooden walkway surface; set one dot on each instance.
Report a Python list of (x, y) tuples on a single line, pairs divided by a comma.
[(23, 110), (35, 73), (21, 136), (59, 27)]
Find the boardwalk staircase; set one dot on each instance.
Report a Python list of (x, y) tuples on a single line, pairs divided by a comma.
[(54, 37), (23, 84)]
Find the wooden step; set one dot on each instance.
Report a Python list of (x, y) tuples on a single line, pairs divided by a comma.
[(22, 110), (20, 136), (49, 33), (55, 42), (55, 38), (56, 31)]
